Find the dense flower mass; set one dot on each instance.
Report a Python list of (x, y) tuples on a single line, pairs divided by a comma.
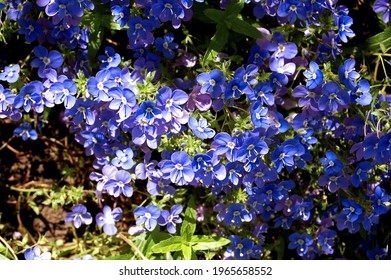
[(257, 141)]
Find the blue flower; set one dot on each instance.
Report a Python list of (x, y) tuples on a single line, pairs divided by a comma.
[(78, 216), (350, 216), (200, 128), (332, 165), (26, 131), (334, 98), (362, 94), (344, 30), (281, 48), (226, 144), (120, 184), (123, 158), (170, 102), (259, 115), (30, 97), (171, 218), (10, 73), (65, 92), (251, 149), (178, 169), (30, 29), (148, 111), (292, 9), (236, 214), (380, 200), (147, 216), (347, 74), (241, 249), (121, 14), (207, 169), (326, 241), (166, 45), (383, 6), (123, 101), (35, 254), (212, 82), (314, 76), (46, 60), (361, 173), (300, 242), (285, 154), (168, 10), (108, 218), (109, 59)]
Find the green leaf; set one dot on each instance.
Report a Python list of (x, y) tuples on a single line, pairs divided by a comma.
[(215, 15), (34, 207), (217, 42), (189, 223), (378, 42), (172, 244), (187, 251), (2, 257), (234, 8), (121, 257), (242, 27), (204, 242)]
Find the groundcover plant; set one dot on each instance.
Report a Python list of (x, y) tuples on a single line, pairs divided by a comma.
[(181, 129)]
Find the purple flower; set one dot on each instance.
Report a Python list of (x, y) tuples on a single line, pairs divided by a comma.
[(178, 169), (79, 216), (147, 216), (171, 218), (108, 218), (200, 128)]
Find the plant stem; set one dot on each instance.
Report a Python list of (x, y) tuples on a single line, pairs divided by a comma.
[(132, 245)]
